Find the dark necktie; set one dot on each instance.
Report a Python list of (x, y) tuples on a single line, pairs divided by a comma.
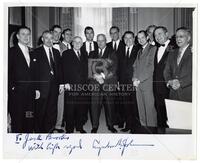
[(127, 56), (127, 53), (115, 47), (90, 48), (67, 46), (79, 55), (100, 53), (52, 63)]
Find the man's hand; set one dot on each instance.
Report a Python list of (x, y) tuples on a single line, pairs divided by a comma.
[(37, 94), (61, 88), (67, 86), (99, 78), (136, 82), (176, 84)]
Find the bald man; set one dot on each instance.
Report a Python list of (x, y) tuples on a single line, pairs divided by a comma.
[(105, 81), (74, 73)]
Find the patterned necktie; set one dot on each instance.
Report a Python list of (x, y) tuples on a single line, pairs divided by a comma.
[(52, 63), (179, 57)]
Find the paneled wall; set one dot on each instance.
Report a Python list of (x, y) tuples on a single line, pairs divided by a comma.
[(134, 19)]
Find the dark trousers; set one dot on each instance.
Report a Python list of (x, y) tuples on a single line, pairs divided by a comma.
[(46, 111), (119, 112), (21, 110), (131, 110), (98, 100), (74, 112), (161, 109)]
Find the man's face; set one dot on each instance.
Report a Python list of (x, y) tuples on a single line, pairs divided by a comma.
[(142, 39), (150, 33), (24, 36), (161, 36), (77, 43), (128, 39), (47, 39), (182, 38), (56, 34), (101, 41), (67, 36), (114, 34), (89, 34)]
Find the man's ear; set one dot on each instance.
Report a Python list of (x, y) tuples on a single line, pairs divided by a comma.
[(167, 34), (17, 36), (42, 39)]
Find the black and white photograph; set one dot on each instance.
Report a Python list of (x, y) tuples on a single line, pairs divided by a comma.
[(82, 75)]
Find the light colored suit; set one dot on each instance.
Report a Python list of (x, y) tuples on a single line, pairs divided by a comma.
[(143, 70), (182, 72)]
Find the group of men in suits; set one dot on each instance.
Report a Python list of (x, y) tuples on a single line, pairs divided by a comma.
[(64, 80)]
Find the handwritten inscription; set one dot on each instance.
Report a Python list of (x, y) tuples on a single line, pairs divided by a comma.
[(55, 143)]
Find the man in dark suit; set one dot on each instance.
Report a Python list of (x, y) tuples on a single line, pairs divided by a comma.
[(103, 81), (88, 46), (161, 92), (117, 45), (47, 78), (74, 74), (56, 32), (178, 69), (126, 61), (20, 89)]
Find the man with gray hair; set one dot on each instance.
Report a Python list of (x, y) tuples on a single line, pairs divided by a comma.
[(150, 30), (74, 70), (47, 76)]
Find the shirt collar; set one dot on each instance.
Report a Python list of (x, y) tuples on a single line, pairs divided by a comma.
[(102, 50), (117, 42), (183, 50), (130, 48), (66, 43), (23, 47), (143, 47)]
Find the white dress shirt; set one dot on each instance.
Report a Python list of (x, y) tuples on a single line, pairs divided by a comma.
[(102, 51), (25, 52), (67, 44), (87, 44), (76, 52), (47, 52), (130, 49), (161, 51), (117, 44)]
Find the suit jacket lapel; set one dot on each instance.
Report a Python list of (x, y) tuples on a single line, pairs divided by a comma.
[(45, 57), (184, 57), (22, 55)]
